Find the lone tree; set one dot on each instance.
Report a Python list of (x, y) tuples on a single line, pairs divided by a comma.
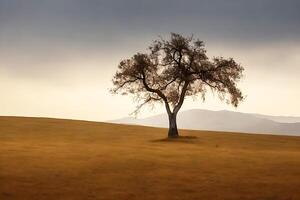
[(173, 70)]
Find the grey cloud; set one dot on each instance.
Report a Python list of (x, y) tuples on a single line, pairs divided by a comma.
[(272, 19), (42, 28)]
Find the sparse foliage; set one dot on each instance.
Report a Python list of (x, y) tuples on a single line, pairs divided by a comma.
[(173, 70)]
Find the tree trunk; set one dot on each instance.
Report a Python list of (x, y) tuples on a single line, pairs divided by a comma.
[(173, 132)]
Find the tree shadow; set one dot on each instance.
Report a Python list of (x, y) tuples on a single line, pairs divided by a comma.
[(184, 139)]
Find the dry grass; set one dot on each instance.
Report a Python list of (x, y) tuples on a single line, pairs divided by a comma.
[(65, 159)]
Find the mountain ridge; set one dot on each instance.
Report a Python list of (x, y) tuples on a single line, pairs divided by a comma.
[(223, 120)]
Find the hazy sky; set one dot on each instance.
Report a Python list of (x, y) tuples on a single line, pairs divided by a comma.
[(57, 57)]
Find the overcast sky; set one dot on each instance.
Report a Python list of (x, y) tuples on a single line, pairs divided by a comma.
[(57, 57)]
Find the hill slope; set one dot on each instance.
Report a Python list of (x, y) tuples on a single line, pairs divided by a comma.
[(223, 121), (66, 159)]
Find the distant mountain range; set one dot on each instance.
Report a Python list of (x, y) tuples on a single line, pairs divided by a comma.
[(223, 120)]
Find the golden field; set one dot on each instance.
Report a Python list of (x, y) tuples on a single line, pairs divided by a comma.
[(57, 159)]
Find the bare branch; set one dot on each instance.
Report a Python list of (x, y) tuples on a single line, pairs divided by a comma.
[(181, 99), (124, 83)]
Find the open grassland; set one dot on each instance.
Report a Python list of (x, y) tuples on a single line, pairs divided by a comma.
[(66, 159)]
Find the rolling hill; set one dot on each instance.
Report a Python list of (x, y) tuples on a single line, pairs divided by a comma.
[(49, 159), (223, 121)]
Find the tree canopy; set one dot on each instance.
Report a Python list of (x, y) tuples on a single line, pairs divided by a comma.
[(175, 69)]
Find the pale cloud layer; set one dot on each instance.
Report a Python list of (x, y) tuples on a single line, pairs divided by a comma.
[(57, 58)]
